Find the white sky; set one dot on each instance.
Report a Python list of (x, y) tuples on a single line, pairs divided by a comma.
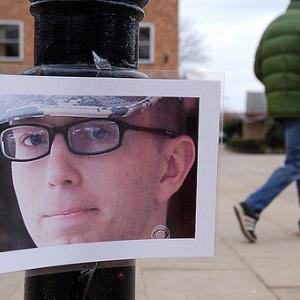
[(232, 30)]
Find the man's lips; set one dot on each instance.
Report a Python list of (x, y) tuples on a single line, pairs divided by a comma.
[(71, 212)]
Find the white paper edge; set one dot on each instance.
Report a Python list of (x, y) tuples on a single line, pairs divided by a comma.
[(209, 92)]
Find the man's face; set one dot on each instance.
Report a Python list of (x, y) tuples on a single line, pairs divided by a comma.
[(67, 198)]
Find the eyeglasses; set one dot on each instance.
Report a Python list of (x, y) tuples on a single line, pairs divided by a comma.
[(28, 142)]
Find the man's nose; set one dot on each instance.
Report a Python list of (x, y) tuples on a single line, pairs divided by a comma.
[(61, 167)]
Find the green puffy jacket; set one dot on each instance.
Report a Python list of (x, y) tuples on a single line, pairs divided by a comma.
[(277, 63)]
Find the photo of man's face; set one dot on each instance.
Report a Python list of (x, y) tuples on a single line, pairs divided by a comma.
[(100, 169), (122, 194)]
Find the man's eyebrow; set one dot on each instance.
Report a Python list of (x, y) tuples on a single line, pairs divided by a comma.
[(45, 120), (28, 120)]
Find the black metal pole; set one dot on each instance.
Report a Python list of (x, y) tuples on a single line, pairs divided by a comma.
[(67, 33), (112, 280)]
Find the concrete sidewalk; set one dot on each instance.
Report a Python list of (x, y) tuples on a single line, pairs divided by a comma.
[(267, 270)]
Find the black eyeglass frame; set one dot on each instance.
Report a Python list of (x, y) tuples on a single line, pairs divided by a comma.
[(53, 131)]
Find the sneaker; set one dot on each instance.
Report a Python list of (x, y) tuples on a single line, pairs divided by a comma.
[(247, 222)]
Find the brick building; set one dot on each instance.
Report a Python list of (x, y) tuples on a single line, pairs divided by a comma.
[(256, 115), (158, 36)]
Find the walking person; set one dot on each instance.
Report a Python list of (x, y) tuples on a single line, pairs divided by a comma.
[(277, 66)]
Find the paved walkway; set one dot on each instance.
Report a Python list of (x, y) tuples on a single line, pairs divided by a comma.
[(268, 270)]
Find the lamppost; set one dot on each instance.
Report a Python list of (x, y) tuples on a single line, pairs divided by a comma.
[(85, 38)]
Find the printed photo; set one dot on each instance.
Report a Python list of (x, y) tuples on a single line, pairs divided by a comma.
[(106, 174)]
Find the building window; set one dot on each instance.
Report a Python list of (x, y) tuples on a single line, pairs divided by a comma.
[(11, 40), (146, 43)]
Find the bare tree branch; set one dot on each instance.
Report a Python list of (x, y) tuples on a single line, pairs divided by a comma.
[(191, 44)]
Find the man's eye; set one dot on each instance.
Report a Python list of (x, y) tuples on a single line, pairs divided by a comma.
[(97, 132), (34, 140)]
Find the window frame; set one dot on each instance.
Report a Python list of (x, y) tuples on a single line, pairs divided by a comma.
[(20, 57), (151, 59)]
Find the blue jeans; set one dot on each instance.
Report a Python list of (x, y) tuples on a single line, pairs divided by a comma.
[(282, 176)]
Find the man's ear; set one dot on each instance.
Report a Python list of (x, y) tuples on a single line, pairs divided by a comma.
[(178, 158)]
